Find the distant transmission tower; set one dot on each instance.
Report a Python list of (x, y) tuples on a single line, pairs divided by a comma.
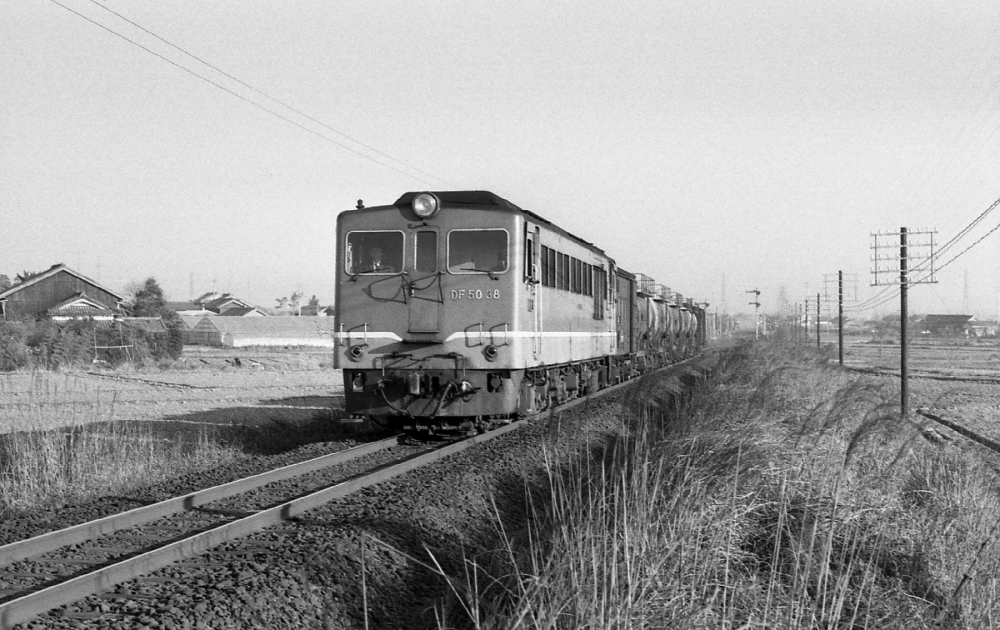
[(724, 309)]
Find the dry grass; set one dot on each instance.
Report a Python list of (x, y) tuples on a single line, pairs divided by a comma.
[(62, 444), (57, 467), (786, 494)]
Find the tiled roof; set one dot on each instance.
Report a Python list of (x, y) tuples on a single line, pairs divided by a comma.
[(239, 311), (182, 306), (265, 326), (80, 311), (51, 271), (79, 306)]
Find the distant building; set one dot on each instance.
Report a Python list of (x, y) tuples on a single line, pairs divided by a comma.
[(262, 331), (941, 325), (983, 328), (225, 302), (187, 308), (242, 311), (59, 293)]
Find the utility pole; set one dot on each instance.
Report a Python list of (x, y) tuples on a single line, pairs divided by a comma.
[(817, 321), (904, 374), (828, 279), (805, 310), (924, 265), (756, 316), (798, 323), (840, 315)]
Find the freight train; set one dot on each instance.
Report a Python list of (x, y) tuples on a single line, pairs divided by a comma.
[(459, 311)]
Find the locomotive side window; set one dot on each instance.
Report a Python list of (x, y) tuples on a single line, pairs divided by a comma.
[(545, 266), (562, 276), (600, 287), (477, 251), (374, 252), (426, 255)]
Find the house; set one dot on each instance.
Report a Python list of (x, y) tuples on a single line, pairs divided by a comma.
[(979, 328), (225, 302), (242, 311), (59, 293), (262, 331), (311, 310), (941, 325), (187, 308)]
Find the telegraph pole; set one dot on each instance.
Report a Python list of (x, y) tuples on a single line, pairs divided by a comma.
[(904, 268), (817, 321), (904, 373), (840, 315), (756, 317), (805, 311)]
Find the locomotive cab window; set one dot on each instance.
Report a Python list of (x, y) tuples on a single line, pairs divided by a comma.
[(478, 251), (374, 252)]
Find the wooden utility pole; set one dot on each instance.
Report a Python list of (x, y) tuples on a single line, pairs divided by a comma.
[(756, 307), (926, 268), (805, 311), (904, 374), (840, 314), (817, 321)]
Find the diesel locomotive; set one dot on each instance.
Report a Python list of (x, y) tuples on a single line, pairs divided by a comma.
[(458, 311)]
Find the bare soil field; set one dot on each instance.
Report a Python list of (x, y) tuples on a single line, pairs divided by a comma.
[(957, 379), (206, 388)]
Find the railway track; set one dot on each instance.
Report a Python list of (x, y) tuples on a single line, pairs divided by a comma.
[(957, 427), (55, 569), (60, 567), (927, 375)]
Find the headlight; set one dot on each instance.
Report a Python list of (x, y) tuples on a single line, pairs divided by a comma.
[(426, 205)]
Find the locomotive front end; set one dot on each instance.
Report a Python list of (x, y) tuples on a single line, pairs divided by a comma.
[(427, 298)]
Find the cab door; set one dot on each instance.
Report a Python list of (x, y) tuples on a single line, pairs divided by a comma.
[(425, 295), (532, 280)]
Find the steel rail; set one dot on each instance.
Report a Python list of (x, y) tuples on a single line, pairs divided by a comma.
[(46, 543), (31, 605), (991, 444)]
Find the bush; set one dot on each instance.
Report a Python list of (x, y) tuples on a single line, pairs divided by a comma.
[(13, 351), (44, 344)]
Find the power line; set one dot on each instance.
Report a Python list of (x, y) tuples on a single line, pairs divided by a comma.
[(245, 99), (268, 96), (871, 302)]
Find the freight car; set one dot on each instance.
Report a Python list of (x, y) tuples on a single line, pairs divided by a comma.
[(457, 311)]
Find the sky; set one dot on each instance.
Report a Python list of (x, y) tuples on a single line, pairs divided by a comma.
[(717, 146)]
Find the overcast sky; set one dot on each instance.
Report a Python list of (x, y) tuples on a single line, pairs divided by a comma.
[(708, 144)]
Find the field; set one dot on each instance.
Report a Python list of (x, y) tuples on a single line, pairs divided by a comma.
[(956, 378), (208, 387)]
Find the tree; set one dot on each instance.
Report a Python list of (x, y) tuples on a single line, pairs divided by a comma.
[(148, 300), (5, 282)]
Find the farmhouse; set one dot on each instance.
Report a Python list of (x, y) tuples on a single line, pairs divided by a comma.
[(262, 331), (59, 293), (942, 325)]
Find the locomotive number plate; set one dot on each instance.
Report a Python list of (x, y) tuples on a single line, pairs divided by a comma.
[(475, 294)]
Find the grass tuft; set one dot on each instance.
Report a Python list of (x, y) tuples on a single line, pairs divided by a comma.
[(785, 493)]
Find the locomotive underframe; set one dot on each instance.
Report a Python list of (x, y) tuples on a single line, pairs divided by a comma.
[(457, 401)]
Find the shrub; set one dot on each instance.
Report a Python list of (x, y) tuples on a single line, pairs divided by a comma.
[(13, 351)]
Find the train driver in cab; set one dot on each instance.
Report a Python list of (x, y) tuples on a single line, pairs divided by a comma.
[(376, 264)]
